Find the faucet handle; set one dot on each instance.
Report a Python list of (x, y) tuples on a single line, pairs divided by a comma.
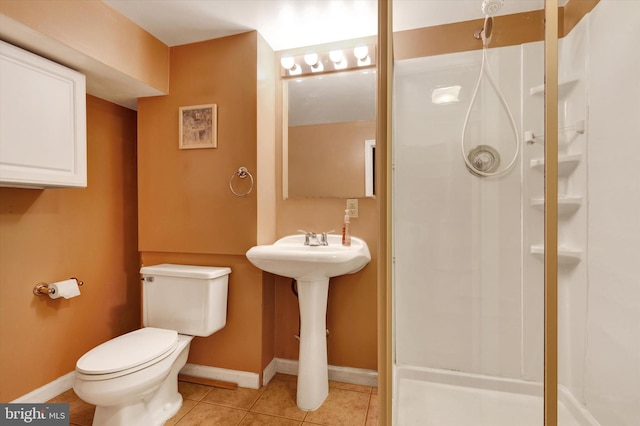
[(324, 239), (307, 236)]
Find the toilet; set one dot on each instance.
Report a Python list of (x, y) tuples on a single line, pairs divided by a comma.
[(133, 379)]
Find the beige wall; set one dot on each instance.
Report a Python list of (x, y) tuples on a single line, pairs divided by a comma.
[(53, 234)]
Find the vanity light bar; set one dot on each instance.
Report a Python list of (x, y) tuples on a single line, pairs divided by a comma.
[(359, 57)]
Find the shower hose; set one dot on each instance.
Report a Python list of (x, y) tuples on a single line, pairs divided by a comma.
[(485, 69)]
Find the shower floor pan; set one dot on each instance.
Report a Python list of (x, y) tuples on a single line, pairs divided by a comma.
[(421, 402)]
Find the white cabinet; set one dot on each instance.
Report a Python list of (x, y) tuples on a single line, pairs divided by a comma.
[(43, 137)]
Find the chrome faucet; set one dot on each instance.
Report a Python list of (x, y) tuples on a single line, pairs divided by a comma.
[(311, 238)]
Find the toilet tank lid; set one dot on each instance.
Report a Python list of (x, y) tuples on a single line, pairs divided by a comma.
[(186, 271)]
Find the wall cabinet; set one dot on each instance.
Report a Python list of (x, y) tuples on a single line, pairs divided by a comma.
[(42, 122)]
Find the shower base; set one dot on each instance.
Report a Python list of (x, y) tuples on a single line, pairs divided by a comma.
[(426, 397)]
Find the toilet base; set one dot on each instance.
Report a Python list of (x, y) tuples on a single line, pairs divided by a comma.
[(141, 413), (151, 407)]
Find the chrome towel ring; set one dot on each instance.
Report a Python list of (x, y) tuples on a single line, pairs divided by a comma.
[(241, 173)]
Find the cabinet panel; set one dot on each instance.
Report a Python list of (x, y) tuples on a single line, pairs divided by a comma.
[(42, 122)]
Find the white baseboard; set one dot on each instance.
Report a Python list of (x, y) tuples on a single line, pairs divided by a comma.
[(269, 371), (244, 379), (356, 376), (48, 391)]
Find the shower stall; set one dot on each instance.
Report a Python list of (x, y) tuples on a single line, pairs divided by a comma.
[(468, 247)]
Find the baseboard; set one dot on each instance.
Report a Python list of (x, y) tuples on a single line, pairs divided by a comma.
[(48, 391), (269, 371), (356, 376), (244, 379)]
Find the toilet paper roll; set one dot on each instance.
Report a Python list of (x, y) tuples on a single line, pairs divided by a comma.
[(67, 289)]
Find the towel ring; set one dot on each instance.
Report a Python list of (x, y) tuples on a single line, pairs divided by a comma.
[(242, 173)]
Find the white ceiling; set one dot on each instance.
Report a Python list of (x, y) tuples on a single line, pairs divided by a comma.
[(288, 24)]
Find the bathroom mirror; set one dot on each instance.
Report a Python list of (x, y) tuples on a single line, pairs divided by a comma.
[(329, 135)]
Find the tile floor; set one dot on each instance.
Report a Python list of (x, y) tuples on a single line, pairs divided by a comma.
[(274, 404)]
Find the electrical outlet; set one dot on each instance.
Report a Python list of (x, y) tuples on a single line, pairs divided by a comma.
[(352, 206)]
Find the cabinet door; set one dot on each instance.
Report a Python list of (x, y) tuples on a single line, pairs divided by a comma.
[(42, 122)]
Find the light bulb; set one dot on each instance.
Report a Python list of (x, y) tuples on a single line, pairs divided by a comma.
[(361, 52), (295, 70), (335, 55), (311, 58), (318, 67), (341, 65), (364, 62), (287, 62)]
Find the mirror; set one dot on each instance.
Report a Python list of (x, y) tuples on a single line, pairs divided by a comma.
[(329, 135)]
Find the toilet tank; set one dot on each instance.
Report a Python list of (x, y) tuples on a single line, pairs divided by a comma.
[(188, 299)]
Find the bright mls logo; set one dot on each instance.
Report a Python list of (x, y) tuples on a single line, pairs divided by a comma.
[(34, 414)]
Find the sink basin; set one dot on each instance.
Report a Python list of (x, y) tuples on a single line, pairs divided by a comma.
[(311, 267), (289, 257)]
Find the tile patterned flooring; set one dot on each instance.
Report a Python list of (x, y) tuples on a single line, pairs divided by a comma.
[(274, 404)]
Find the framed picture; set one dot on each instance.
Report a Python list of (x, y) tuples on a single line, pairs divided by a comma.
[(198, 126)]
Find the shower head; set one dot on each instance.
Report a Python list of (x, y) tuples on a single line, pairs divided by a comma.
[(491, 7)]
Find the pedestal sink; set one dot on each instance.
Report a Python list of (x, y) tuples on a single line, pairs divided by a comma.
[(311, 266)]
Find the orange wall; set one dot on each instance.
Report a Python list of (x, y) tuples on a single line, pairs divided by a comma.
[(53, 234), (351, 308), (187, 212), (327, 160), (238, 346), (94, 29), (184, 200)]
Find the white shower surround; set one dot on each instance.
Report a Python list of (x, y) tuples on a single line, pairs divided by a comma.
[(468, 293), (458, 240)]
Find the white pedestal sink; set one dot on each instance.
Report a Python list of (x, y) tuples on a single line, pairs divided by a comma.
[(311, 267)]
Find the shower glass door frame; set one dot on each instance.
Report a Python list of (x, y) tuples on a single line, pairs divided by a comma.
[(551, 213)]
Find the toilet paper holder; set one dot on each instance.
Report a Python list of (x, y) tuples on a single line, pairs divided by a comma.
[(42, 289)]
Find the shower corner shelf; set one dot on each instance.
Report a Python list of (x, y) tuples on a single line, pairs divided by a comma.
[(566, 204), (564, 87), (566, 256), (566, 163)]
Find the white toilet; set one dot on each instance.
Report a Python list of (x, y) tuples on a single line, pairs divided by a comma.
[(133, 379)]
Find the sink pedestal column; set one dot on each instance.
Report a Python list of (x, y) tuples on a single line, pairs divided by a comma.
[(313, 375)]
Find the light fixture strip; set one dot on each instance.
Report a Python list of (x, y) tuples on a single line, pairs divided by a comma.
[(305, 64)]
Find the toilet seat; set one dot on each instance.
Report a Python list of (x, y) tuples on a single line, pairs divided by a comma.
[(127, 353)]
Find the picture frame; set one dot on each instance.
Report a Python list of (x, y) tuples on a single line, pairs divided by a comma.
[(198, 126)]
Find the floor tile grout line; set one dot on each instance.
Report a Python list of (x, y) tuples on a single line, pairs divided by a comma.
[(366, 414)]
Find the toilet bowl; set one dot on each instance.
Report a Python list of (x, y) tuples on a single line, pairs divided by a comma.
[(133, 379), (145, 392)]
